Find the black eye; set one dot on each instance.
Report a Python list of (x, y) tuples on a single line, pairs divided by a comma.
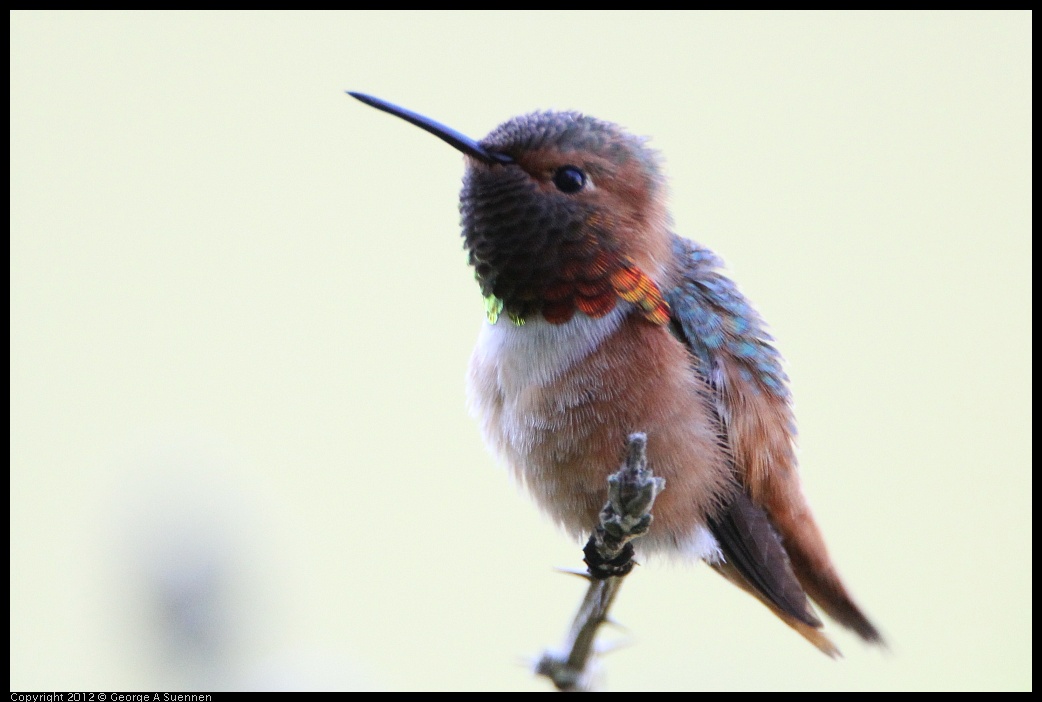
[(569, 179)]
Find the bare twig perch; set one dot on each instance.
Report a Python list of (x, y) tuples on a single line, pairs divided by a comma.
[(609, 556)]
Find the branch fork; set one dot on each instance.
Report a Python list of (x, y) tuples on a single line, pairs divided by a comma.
[(609, 558)]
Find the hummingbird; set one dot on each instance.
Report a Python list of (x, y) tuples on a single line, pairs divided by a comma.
[(601, 322)]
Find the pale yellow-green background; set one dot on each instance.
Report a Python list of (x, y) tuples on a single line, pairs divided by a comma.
[(241, 318)]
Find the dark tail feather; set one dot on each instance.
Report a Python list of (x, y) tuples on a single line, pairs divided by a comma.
[(756, 561), (825, 588), (790, 521), (811, 633)]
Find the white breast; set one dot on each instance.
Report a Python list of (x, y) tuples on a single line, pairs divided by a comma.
[(509, 368), (537, 352)]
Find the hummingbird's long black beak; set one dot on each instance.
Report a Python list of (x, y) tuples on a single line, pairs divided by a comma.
[(459, 141)]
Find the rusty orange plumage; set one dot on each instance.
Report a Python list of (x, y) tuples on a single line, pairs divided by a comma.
[(612, 325)]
